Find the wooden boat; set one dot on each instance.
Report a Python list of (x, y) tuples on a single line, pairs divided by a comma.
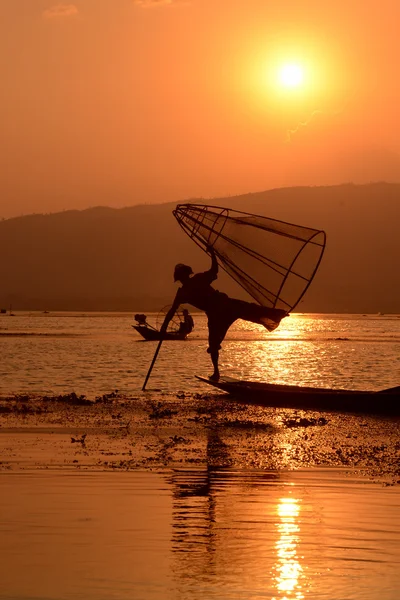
[(386, 402), (153, 335)]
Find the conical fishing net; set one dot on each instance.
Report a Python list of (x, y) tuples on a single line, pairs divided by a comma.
[(273, 261)]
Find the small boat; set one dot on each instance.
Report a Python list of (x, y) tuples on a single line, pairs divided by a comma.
[(151, 334), (383, 402), (179, 327)]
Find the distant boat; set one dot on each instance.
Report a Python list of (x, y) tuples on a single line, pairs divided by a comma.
[(151, 335)]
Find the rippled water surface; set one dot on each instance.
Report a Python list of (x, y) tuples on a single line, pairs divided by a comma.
[(98, 353), (207, 532), (198, 534)]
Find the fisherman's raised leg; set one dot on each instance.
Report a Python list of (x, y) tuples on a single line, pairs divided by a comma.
[(255, 313)]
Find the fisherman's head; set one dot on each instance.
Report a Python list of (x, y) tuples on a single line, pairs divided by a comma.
[(182, 272)]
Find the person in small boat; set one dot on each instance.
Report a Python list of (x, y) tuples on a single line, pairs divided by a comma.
[(187, 324), (141, 320), (221, 310)]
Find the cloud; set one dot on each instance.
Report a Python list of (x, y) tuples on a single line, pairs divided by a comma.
[(157, 3), (60, 11)]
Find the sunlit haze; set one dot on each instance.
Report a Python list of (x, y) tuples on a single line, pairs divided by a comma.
[(146, 101)]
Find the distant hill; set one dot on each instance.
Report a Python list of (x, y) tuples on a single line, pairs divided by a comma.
[(122, 259)]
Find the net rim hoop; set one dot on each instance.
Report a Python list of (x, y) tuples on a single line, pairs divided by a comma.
[(314, 271)]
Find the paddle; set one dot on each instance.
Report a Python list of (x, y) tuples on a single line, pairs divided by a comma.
[(151, 327), (152, 363), (163, 331)]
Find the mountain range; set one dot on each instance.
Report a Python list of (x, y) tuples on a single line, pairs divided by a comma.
[(122, 259)]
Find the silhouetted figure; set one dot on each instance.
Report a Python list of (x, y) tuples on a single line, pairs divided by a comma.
[(187, 324), (221, 310), (141, 319)]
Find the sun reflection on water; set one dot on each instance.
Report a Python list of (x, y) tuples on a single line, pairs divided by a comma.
[(289, 356), (288, 570)]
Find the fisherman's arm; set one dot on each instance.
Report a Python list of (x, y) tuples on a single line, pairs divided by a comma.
[(214, 264)]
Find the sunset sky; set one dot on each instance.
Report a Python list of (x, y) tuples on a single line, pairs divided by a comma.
[(120, 102)]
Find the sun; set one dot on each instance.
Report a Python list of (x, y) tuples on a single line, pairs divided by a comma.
[(291, 75)]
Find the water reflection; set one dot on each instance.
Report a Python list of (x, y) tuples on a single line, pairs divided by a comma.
[(288, 568), (219, 531), (224, 524), (209, 534)]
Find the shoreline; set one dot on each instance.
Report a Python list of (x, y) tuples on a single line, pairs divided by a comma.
[(179, 430)]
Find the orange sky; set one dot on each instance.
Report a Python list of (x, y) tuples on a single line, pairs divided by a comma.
[(119, 102)]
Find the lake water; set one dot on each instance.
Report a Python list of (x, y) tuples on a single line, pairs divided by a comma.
[(201, 533), (196, 535), (93, 354)]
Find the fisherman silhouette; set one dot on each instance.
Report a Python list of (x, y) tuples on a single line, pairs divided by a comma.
[(221, 310), (141, 319), (187, 324)]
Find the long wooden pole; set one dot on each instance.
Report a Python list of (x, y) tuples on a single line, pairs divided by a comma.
[(152, 363)]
